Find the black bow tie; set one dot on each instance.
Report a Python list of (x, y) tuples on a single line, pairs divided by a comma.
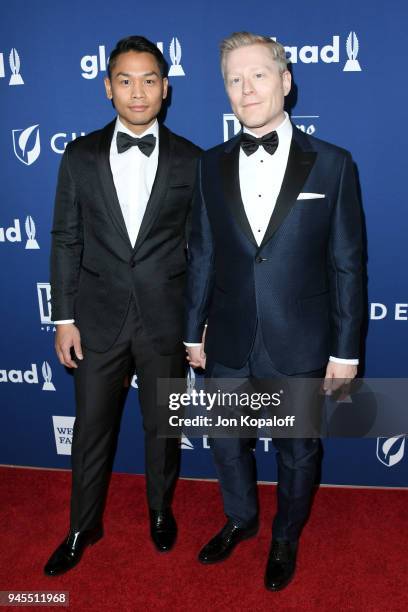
[(125, 141), (250, 143)]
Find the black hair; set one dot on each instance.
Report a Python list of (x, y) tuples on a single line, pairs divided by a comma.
[(139, 44)]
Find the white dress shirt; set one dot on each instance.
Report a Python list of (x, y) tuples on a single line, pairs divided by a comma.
[(133, 175), (260, 178)]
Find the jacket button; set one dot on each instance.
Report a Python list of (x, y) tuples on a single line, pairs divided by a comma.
[(132, 263), (259, 259)]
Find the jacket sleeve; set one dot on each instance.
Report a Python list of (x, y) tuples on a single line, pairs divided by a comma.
[(345, 266), (200, 270), (66, 245)]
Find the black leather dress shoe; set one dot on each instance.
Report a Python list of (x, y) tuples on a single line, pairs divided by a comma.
[(281, 565), (69, 553), (163, 529), (222, 545)]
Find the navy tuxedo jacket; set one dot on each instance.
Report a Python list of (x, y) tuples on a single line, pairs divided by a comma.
[(302, 285)]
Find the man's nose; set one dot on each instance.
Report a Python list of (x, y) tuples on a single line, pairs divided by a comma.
[(137, 90), (247, 87)]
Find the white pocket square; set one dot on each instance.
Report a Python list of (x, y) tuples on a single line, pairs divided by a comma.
[(310, 196)]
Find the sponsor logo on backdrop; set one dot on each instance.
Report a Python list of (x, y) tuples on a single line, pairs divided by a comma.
[(185, 443), (59, 141), (390, 451), (13, 233), (264, 444), (27, 144), (30, 376), (398, 311), (328, 54), (231, 125), (63, 431), (92, 65), (352, 47), (176, 69), (306, 123), (15, 64), (44, 305)]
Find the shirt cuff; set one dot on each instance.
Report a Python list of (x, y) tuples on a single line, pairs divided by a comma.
[(345, 361), (64, 321), (192, 343)]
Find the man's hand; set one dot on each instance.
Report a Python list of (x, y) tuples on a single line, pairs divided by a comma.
[(196, 356), (337, 375), (66, 337)]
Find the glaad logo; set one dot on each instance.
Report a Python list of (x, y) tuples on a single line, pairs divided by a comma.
[(44, 304), (47, 375), (27, 145), (13, 233), (30, 231), (176, 69), (63, 432), (91, 65), (14, 62), (390, 451), (29, 376), (328, 54), (352, 46)]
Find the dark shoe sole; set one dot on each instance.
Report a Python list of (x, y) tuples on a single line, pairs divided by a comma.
[(248, 536), (280, 587), (163, 550)]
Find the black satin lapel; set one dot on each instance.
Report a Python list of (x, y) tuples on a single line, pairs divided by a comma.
[(232, 190), (159, 187), (106, 179), (298, 169)]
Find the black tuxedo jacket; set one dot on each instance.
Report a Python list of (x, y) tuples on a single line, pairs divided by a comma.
[(94, 269), (302, 285)]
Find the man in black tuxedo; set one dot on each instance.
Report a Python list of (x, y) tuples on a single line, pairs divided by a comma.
[(275, 268), (118, 265)]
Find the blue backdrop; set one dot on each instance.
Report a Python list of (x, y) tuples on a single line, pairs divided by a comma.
[(347, 60)]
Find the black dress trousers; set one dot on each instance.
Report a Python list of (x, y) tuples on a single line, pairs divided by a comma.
[(99, 389)]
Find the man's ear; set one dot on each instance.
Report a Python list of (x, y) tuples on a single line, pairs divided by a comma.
[(286, 82), (108, 88), (165, 87)]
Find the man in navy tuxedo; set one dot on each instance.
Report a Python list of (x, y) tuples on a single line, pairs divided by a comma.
[(275, 269)]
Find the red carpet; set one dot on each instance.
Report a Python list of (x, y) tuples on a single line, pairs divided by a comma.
[(353, 554)]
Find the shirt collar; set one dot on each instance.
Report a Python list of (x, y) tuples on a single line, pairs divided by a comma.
[(284, 130), (153, 129)]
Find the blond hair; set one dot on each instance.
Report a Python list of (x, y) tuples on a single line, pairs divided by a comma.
[(244, 39)]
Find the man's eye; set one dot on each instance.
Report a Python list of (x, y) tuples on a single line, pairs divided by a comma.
[(259, 75), (234, 80), (150, 81), (125, 82)]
